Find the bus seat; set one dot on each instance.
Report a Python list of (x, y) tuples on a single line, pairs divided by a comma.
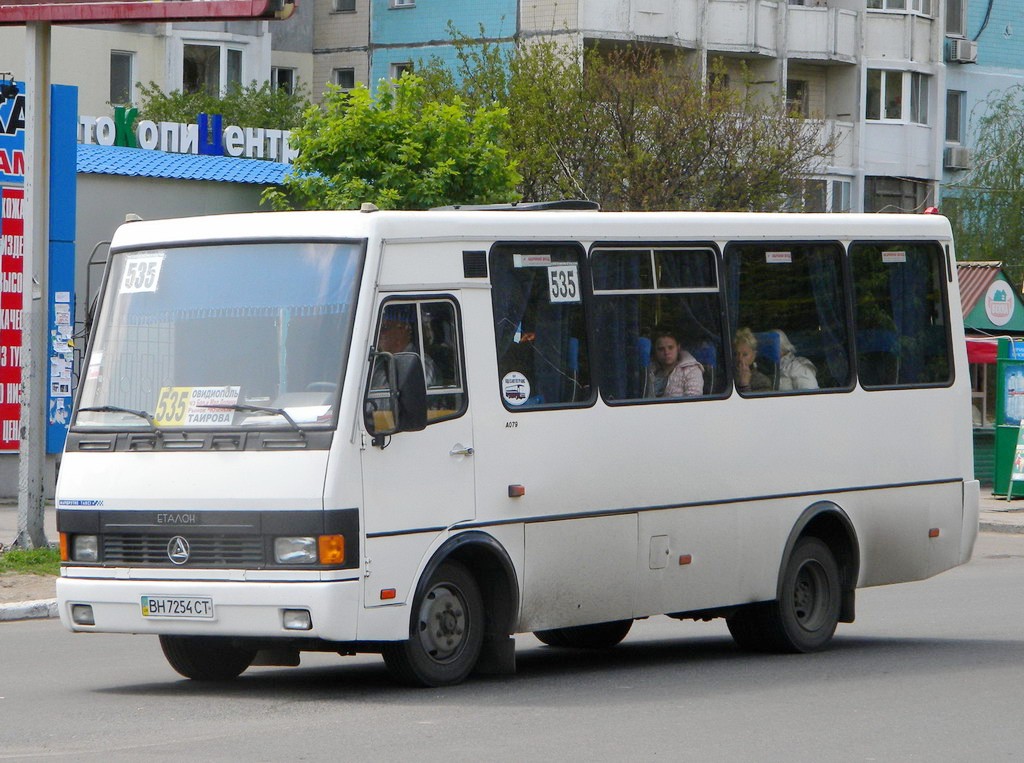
[(769, 353), (706, 354), (643, 358), (572, 361), (878, 357)]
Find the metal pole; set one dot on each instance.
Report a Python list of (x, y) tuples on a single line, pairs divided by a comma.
[(32, 451)]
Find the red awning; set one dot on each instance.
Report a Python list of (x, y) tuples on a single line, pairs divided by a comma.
[(981, 350)]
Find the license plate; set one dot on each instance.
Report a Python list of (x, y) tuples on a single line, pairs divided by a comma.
[(177, 606)]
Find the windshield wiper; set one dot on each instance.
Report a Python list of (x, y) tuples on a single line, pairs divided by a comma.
[(118, 409), (246, 408)]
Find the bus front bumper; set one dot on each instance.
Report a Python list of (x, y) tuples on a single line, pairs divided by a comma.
[(211, 608)]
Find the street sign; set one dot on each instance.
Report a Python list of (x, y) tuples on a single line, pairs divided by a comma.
[(18, 12)]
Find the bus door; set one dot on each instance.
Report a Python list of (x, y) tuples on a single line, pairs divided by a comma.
[(418, 483)]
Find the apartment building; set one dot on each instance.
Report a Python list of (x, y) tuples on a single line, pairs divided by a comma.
[(894, 80)]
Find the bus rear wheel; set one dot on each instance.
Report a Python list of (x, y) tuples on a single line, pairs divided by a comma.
[(807, 612), (446, 632), (597, 636), (206, 658)]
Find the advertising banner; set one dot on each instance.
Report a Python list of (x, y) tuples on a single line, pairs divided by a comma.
[(61, 261), (12, 244)]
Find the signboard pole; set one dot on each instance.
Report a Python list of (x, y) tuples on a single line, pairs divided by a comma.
[(1017, 469), (32, 461)]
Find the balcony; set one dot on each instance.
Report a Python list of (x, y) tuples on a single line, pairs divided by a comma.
[(673, 22), (743, 26), (822, 34)]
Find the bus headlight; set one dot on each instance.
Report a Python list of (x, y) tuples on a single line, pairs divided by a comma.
[(295, 550), (85, 548)]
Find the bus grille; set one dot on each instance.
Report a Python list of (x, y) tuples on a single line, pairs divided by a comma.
[(204, 551)]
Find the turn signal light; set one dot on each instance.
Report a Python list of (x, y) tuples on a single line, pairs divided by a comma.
[(332, 549), (64, 547)]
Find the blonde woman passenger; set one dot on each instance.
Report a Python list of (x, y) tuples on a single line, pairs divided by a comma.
[(673, 372), (748, 377)]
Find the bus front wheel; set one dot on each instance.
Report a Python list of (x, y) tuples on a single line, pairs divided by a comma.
[(805, 616), (446, 632), (206, 658)]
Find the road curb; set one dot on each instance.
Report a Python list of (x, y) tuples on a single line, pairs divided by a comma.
[(1000, 527), (28, 610)]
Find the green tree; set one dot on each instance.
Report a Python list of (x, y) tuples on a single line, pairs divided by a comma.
[(984, 207), (400, 149), (254, 105), (634, 128)]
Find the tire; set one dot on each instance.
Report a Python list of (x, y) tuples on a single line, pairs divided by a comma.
[(807, 613), (597, 636), (206, 658), (445, 633)]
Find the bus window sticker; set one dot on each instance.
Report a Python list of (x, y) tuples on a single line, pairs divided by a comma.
[(141, 273), (515, 388), (563, 283), (195, 406), (531, 260)]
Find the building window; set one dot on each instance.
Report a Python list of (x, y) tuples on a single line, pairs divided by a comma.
[(796, 97), (884, 95), (888, 194), (955, 18), (917, 6), (885, 99), (841, 196), (234, 67), (919, 98), (397, 70), (344, 78), (344, 6), (955, 111), (121, 78), (210, 68), (283, 78), (201, 69), (403, 3)]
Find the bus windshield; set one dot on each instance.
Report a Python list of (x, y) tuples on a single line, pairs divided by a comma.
[(239, 335)]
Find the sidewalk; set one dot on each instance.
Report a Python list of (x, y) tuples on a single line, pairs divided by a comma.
[(997, 515)]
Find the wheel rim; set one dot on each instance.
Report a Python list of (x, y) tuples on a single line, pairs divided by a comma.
[(811, 596), (443, 625)]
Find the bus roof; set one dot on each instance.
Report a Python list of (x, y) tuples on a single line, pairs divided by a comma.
[(527, 225)]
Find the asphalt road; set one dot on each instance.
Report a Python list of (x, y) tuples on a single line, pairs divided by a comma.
[(930, 671)]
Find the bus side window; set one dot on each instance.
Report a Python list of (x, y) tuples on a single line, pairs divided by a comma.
[(539, 325), (793, 293), (900, 307), (643, 293)]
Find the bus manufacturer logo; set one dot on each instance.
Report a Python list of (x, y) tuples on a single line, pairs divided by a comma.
[(178, 550)]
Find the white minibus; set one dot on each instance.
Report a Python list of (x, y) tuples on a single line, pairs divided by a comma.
[(420, 433)]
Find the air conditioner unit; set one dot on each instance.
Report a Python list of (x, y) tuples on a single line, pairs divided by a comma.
[(962, 51), (957, 158)]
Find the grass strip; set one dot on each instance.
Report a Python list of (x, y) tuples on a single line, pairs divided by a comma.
[(37, 561)]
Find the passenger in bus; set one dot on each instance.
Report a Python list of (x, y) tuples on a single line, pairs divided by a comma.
[(748, 377), (795, 372), (673, 372)]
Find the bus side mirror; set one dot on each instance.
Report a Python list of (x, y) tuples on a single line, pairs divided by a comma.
[(397, 398)]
